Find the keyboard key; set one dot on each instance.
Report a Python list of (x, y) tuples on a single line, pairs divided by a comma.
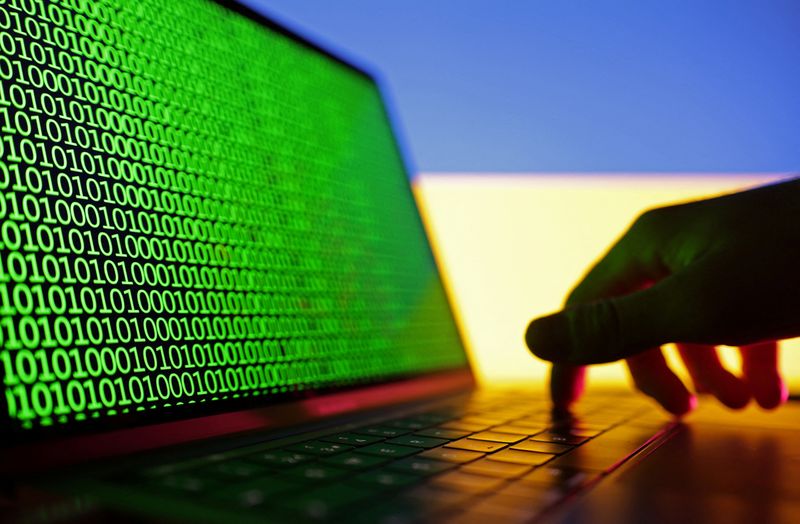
[(532, 491), (254, 494), (318, 447), (511, 414), (236, 469), (476, 445), (461, 481), (388, 450), (355, 461), (417, 441), (432, 498), (575, 425), (280, 458), (437, 418), (458, 456), (187, 483), (577, 431), (449, 412), (465, 426), (602, 419), (510, 508), (387, 478), (481, 419), (316, 472), (393, 512), (411, 423), (521, 457), (533, 422), (496, 436), (450, 434), (557, 478), (160, 471), (627, 435), (559, 438), (493, 468), (592, 459), (421, 466), (382, 431), (518, 430), (542, 447), (323, 502), (352, 439)]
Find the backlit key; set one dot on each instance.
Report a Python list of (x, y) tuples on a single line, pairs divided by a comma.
[(421, 466), (465, 426), (493, 468), (417, 441), (450, 434), (521, 457), (467, 481), (476, 445), (388, 450), (518, 430), (542, 447), (495, 436), (452, 455)]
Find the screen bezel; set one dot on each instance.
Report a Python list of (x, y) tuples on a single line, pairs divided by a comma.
[(27, 452)]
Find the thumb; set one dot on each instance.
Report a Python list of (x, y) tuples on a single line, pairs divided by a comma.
[(611, 329)]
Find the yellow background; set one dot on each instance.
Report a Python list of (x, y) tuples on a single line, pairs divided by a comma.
[(513, 245)]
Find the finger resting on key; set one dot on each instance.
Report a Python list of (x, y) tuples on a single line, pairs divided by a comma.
[(709, 375), (761, 374), (653, 377), (566, 385)]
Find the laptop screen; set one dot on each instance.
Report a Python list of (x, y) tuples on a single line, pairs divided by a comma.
[(200, 213)]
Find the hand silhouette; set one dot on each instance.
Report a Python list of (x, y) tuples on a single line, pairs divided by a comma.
[(720, 271)]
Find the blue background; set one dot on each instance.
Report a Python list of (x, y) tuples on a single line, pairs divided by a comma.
[(551, 85)]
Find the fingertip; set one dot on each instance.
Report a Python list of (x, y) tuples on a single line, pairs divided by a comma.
[(736, 402), (771, 394), (679, 405), (654, 378), (783, 395), (567, 384), (732, 392), (762, 374), (548, 337), (711, 377), (691, 405)]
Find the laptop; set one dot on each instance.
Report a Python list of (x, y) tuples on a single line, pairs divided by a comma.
[(219, 304)]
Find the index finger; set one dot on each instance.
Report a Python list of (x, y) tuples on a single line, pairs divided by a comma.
[(566, 385), (621, 270)]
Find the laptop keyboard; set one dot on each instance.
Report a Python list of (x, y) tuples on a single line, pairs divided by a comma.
[(499, 455)]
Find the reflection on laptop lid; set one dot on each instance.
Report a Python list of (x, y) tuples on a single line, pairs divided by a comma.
[(201, 213)]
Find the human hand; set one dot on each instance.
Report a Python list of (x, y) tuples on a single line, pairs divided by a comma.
[(719, 271)]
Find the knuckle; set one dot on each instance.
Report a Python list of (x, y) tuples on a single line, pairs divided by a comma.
[(658, 220), (649, 220)]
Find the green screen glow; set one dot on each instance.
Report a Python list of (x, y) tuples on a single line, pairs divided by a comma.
[(197, 209)]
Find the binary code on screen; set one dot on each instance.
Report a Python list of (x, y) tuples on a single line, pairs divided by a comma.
[(197, 210)]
